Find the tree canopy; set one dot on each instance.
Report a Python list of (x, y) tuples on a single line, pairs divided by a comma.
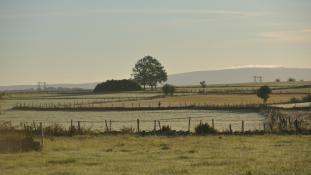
[(117, 86), (263, 93), (168, 89), (149, 71)]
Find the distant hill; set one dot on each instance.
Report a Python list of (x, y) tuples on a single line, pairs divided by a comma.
[(239, 75), (89, 86)]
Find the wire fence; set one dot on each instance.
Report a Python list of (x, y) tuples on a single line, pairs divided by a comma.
[(137, 125)]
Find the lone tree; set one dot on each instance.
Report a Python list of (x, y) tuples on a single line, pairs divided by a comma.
[(168, 89), (149, 71), (203, 84), (263, 93)]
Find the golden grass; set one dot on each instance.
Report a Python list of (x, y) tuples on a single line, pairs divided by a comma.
[(223, 155), (226, 99)]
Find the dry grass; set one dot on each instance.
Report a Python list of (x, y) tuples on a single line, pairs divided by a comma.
[(256, 155), (226, 99)]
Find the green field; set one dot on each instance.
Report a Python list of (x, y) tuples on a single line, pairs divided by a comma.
[(221, 155)]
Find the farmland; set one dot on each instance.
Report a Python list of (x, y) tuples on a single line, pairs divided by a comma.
[(240, 155), (104, 153), (184, 96)]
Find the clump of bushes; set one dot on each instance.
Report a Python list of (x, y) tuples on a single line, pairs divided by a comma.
[(204, 128), (307, 98), (295, 100), (127, 130), (18, 143), (168, 89), (304, 99), (166, 128), (14, 140), (117, 86)]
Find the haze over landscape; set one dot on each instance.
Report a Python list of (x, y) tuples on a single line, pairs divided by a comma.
[(157, 87), (225, 76), (82, 41)]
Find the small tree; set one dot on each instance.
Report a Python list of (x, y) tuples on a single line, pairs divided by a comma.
[(168, 89), (203, 84), (263, 93), (277, 80)]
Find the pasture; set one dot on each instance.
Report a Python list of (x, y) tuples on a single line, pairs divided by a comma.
[(184, 96), (221, 155), (134, 154)]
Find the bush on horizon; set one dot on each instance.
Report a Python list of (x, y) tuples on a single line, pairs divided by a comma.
[(117, 86), (168, 89)]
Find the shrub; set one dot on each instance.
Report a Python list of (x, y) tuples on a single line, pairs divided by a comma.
[(117, 86), (204, 128), (17, 143), (127, 130), (168, 89), (166, 128), (295, 100), (307, 98), (291, 80)]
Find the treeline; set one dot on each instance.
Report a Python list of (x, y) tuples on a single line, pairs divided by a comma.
[(117, 86)]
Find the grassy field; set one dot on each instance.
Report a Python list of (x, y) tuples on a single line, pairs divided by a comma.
[(225, 99), (220, 155)]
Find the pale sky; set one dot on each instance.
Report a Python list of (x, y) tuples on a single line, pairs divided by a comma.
[(75, 41)]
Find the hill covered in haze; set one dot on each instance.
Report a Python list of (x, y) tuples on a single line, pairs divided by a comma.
[(239, 75)]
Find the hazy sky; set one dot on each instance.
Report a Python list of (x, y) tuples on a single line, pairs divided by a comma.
[(72, 41)]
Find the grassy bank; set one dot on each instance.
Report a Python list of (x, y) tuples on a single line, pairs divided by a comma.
[(269, 154)]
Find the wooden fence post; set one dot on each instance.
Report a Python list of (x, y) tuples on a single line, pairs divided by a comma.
[(230, 129), (159, 125), (155, 125), (41, 128), (79, 128), (107, 129), (110, 123), (138, 126), (242, 129), (71, 127), (213, 126), (25, 128), (189, 122)]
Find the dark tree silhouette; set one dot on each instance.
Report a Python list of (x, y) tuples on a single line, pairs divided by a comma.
[(116, 86), (203, 84), (149, 71), (263, 93), (168, 89), (291, 80)]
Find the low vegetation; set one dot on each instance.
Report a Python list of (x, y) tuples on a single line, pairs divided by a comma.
[(204, 128), (168, 89), (112, 155), (13, 140)]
